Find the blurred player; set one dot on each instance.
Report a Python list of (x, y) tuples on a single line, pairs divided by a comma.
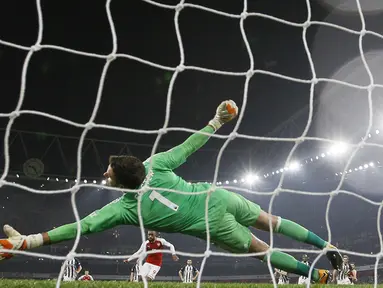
[(86, 277), (341, 276), (153, 261), (188, 273), (352, 274), (302, 279), (71, 270), (230, 215), (282, 276), (134, 272)]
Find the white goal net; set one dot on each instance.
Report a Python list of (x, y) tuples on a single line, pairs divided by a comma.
[(179, 69)]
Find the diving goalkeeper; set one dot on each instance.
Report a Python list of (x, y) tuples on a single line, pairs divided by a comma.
[(229, 213)]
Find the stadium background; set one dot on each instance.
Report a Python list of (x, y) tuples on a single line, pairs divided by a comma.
[(134, 96)]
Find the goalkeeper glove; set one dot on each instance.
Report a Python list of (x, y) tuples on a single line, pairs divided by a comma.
[(16, 241), (226, 112)]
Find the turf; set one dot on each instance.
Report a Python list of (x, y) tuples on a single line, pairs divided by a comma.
[(120, 284)]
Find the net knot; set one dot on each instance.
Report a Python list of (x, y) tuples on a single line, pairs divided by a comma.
[(2, 182), (314, 81), (233, 135), (207, 253), (36, 47), (111, 57), (307, 24), (334, 193), (244, 15), (370, 87), (379, 255), (249, 73), (14, 114), (162, 131), (70, 255), (90, 125), (277, 191), (74, 189), (363, 32), (180, 68), (179, 7)]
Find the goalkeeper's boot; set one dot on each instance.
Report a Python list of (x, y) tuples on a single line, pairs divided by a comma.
[(334, 257), (324, 276), (15, 241)]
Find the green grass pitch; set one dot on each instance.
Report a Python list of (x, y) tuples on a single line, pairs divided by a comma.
[(120, 284)]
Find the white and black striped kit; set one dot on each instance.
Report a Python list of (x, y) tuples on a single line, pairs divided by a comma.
[(70, 269), (188, 273)]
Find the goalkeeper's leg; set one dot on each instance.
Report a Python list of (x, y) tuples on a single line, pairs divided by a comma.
[(236, 238), (248, 213), (107, 217)]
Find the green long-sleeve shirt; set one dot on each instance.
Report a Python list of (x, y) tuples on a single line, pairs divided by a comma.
[(169, 211)]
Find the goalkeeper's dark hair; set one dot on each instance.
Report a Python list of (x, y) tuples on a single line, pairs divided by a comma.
[(129, 171)]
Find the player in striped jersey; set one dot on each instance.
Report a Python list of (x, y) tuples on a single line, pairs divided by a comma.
[(72, 268), (86, 277), (352, 274), (302, 279), (188, 273), (341, 276), (283, 278), (134, 272)]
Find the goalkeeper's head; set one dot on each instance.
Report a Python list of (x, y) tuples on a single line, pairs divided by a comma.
[(125, 172)]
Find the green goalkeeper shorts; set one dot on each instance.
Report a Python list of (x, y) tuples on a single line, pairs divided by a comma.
[(233, 233)]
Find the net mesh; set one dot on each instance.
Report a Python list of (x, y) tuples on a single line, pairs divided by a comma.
[(165, 128)]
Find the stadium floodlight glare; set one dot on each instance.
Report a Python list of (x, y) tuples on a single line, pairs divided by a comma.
[(17, 175), (103, 182), (94, 181), (66, 180), (57, 179), (377, 131), (243, 180), (371, 164), (47, 178), (227, 182), (365, 166), (338, 148), (235, 181), (85, 181), (251, 178), (294, 166)]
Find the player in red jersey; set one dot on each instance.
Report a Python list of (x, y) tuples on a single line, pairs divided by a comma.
[(153, 261), (86, 277)]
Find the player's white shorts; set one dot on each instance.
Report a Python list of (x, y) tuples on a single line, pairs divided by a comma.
[(344, 281), (282, 282), (303, 280), (68, 279), (149, 270)]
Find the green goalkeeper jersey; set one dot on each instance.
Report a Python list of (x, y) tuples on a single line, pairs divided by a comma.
[(169, 211)]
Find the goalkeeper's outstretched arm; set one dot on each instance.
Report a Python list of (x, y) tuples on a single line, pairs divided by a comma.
[(175, 157)]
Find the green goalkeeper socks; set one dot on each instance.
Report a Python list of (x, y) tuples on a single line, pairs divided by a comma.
[(289, 264), (299, 233)]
